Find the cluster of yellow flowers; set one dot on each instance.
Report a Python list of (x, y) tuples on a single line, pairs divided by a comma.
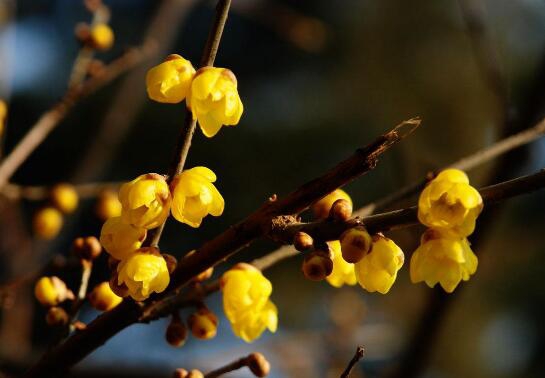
[(246, 302), (146, 202), (449, 206), (371, 261), (48, 221), (211, 92)]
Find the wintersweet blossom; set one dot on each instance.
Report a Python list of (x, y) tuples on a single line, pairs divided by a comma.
[(145, 201), (169, 81), (377, 271), (120, 239), (442, 259), (195, 196), (343, 272), (143, 272), (450, 204), (246, 302), (214, 100)]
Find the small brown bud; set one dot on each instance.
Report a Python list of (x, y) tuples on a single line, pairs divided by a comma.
[(82, 32), (302, 241), (87, 248), (341, 210), (258, 364), (92, 5), (355, 244), (203, 276), (182, 373), (171, 262), (176, 333), (56, 316), (119, 290), (203, 324), (317, 265)]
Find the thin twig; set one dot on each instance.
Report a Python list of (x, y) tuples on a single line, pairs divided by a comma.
[(235, 365), (50, 119), (184, 140), (466, 164), (360, 352)]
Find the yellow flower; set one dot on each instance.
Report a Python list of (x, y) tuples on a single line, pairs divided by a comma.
[(64, 197), (101, 37), (194, 196), (377, 271), (145, 201), (108, 206), (169, 82), (343, 272), (322, 207), (143, 272), (47, 223), (50, 291), (246, 302), (120, 239), (103, 298), (449, 203), (214, 100), (444, 259), (3, 114)]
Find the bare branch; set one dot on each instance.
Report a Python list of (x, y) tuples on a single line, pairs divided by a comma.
[(360, 352)]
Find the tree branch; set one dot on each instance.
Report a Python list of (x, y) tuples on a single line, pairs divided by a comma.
[(50, 119), (360, 352)]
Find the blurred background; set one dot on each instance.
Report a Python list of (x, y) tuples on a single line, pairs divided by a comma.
[(318, 79)]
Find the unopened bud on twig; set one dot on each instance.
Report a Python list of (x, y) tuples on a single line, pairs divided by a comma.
[(258, 364), (302, 241), (182, 373), (317, 265), (87, 248), (176, 334), (171, 262), (355, 244), (203, 324), (56, 316), (341, 210)]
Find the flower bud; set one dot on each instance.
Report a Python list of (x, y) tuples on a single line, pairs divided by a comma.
[(322, 208), (64, 197), (82, 32), (176, 333), (47, 223), (302, 241), (87, 248), (101, 37), (103, 298), (120, 239), (341, 210), (171, 262), (203, 324), (317, 265), (50, 291), (258, 364), (355, 244), (56, 316), (121, 290), (108, 206), (203, 276)]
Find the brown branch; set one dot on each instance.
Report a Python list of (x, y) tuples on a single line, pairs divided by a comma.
[(360, 352), (216, 250), (50, 119), (466, 164), (235, 365)]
